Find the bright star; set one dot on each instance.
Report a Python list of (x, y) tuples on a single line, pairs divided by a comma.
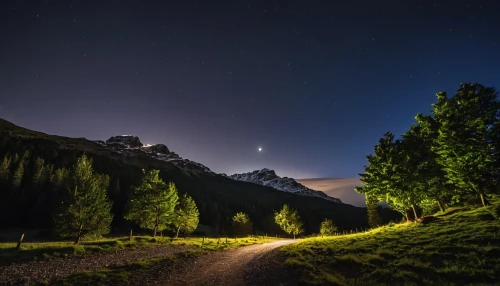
[(260, 149)]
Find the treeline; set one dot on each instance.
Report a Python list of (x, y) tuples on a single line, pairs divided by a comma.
[(33, 202), (35, 194), (29, 187), (86, 209), (154, 205), (449, 157)]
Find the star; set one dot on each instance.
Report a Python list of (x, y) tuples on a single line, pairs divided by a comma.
[(260, 149)]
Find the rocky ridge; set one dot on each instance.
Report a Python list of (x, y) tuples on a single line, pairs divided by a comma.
[(130, 145), (269, 178)]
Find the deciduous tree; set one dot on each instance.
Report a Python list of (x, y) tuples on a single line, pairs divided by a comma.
[(289, 220), (186, 216), (372, 212), (152, 204), (467, 143)]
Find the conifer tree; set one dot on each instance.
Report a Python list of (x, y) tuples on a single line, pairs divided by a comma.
[(38, 170), (327, 227), (86, 208), (186, 216), (5, 169), (152, 204), (242, 225), (17, 175)]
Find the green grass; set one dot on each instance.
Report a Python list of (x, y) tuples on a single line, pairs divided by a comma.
[(120, 275), (213, 244), (46, 250), (462, 248)]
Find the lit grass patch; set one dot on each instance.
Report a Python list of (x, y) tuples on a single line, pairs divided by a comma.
[(47, 250), (461, 247)]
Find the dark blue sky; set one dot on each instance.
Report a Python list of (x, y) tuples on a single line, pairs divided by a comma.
[(314, 83)]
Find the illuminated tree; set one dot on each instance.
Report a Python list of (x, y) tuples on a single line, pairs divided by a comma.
[(186, 216), (289, 220), (372, 212), (86, 208), (152, 204), (242, 225), (467, 141), (327, 227)]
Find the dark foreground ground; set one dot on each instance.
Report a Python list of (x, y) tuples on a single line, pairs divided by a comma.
[(259, 264)]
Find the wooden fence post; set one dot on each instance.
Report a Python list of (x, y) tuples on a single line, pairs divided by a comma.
[(226, 239), (20, 241), (218, 240), (130, 236), (203, 241)]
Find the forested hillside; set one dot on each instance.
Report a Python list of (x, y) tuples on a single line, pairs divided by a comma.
[(33, 167)]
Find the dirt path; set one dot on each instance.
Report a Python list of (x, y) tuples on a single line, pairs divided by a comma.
[(259, 264), (47, 270)]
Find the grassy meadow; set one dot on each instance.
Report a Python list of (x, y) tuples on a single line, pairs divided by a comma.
[(32, 251), (460, 247)]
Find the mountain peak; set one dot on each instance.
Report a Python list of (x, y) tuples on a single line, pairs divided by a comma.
[(126, 140), (267, 177)]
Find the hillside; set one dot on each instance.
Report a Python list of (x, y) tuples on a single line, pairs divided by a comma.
[(461, 247), (218, 197)]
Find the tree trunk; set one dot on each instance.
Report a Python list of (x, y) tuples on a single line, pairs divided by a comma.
[(414, 211), (154, 231), (294, 236), (177, 234), (441, 205), (407, 217), (484, 200), (79, 234), (19, 242)]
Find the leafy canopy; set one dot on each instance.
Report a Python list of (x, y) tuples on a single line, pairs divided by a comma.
[(289, 220), (186, 216), (152, 204)]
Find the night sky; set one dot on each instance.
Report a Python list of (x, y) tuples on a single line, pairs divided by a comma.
[(312, 83)]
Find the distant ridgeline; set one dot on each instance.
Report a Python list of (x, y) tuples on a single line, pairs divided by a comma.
[(33, 167)]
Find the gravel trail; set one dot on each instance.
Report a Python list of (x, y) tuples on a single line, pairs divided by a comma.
[(29, 272), (259, 264)]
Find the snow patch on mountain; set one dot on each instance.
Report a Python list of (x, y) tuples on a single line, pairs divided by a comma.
[(269, 178), (129, 145)]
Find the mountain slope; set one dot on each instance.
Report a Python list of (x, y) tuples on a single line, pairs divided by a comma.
[(269, 178), (218, 197)]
